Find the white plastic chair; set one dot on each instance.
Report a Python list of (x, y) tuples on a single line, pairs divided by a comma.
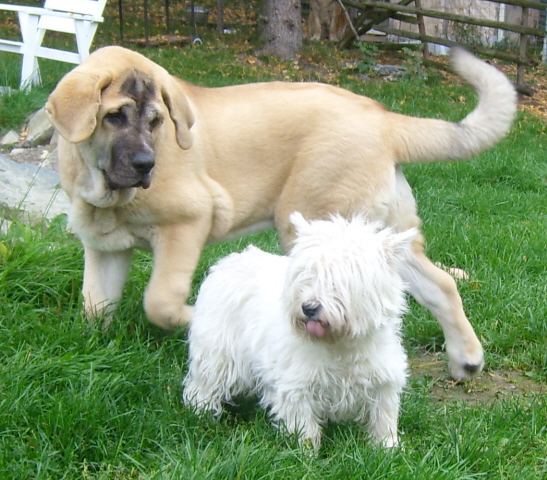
[(78, 17)]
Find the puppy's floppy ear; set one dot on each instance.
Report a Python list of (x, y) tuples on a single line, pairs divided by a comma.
[(299, 222), (180, 112), (73, 105)]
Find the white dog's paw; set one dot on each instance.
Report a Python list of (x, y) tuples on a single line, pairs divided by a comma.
[(309, 433), (196, 397), (390, 441), (310, 444)]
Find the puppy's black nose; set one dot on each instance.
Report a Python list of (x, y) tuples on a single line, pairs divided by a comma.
[(310, 309), (143, 162)]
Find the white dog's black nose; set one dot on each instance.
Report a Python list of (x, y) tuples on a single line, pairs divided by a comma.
[(143, 162), (310, 309)]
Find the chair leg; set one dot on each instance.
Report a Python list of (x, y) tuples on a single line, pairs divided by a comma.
[(30, 72), (85, 31)]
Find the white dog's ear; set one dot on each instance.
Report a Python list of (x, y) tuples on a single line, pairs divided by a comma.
[(299, 222), (73, 105), (399, 243)]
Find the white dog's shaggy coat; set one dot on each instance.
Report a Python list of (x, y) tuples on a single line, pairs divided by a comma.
[(315, 335)]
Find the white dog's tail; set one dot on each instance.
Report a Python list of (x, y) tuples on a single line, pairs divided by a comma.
[(424, 140)]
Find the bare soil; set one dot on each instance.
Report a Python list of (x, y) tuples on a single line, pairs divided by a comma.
[(42, 155), (490, 386)]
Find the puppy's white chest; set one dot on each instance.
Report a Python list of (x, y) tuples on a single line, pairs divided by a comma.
[(108, 229)]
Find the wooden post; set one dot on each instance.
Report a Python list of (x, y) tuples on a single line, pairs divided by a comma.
[(146, 23), (363, 23), (421, 29), (220, 16), (523, 47), (167, 18), (381, 11), (120, 14)]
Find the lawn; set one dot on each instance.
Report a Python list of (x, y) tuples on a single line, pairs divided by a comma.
[(79, 403)]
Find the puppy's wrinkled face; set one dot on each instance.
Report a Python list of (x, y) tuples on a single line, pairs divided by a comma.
[(123, 143)]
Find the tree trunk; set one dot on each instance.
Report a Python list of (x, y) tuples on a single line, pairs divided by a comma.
[(281, 29)]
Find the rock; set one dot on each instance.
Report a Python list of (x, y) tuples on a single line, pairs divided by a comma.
[(30, 193), (364, 78), (50, 159), (39, 129), (55, 138), (6, 91), (10, 138), (18, 151), (4, 228), (389, 70)]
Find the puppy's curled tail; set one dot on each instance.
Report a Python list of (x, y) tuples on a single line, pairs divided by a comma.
[(427, 140)]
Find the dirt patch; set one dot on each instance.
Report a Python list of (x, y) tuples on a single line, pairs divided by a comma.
[(46, 156), (535, 79), (491, 385)]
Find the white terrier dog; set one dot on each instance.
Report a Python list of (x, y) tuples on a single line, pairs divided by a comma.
[(314, 335)]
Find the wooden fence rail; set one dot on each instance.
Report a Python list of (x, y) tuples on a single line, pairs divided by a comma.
[(373, 13)]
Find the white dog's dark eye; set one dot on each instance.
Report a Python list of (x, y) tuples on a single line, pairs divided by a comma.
[(116, 118)]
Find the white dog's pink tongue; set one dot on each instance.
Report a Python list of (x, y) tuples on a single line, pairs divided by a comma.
[(315, 328)]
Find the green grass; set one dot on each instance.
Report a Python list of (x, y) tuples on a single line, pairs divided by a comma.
[(79, 403)]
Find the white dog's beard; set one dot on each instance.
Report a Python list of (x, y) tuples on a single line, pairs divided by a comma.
[(311, 316), (341, 313), (316, 328), (315, 322)]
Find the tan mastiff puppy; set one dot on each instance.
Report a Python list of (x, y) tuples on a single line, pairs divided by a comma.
[(151, 161)]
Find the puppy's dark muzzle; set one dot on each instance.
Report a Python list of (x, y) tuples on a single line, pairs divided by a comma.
[(136, 173), (143, 163)]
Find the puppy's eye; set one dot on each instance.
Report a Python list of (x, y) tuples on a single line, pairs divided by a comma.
[(116, 118), (155, 122)]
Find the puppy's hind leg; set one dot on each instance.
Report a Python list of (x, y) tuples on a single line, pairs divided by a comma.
[(436, 290)]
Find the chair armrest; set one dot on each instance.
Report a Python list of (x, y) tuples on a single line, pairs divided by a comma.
[(49, 13)]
